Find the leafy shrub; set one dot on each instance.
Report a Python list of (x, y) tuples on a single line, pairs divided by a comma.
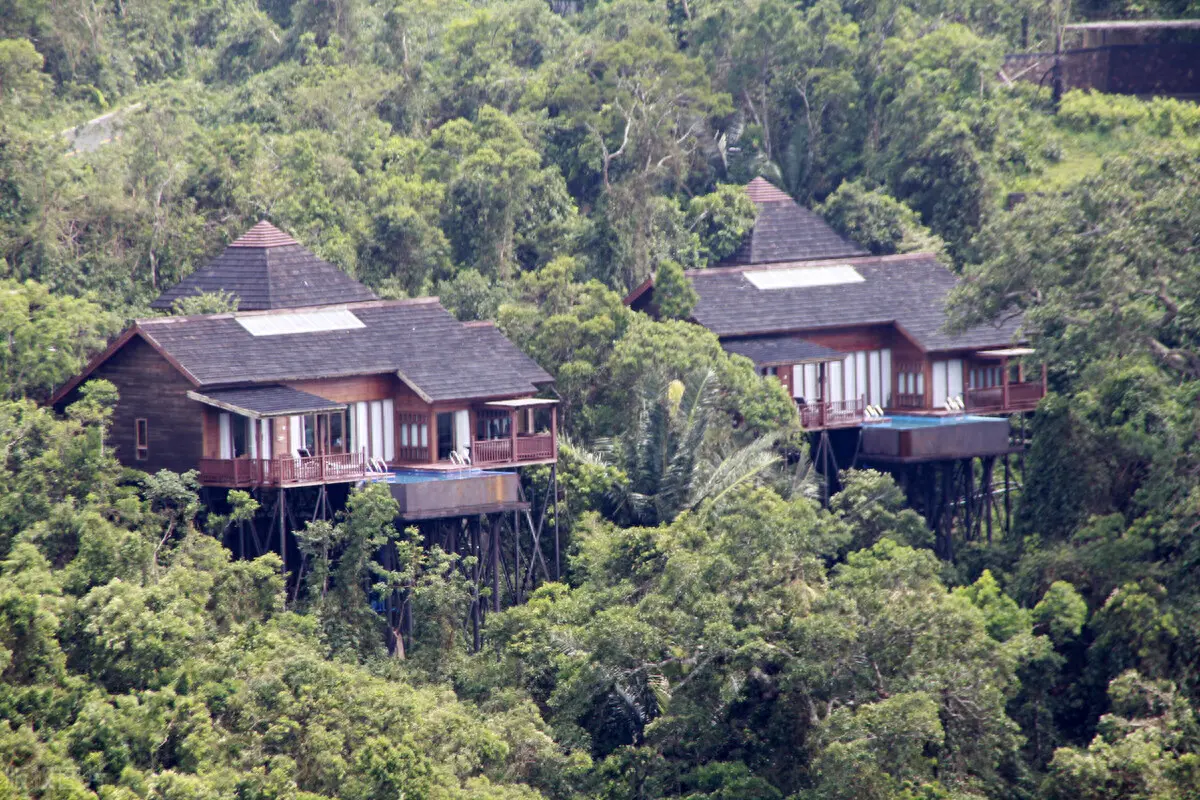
[(1160, 116), (1095, 111)]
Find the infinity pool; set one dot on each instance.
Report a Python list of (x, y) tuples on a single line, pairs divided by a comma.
[(424, 475), (904, 423)]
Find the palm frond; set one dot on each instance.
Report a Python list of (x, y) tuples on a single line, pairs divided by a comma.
[(740, 467), (680, 474)]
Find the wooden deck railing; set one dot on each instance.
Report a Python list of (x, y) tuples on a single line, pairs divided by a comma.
[(283, 471), (491, 451), (910, 400), (832, 414), (530, 447), (535, 447), (1021, 397)]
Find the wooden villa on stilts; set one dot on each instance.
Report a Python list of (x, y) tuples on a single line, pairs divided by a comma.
[(848, 334), (314, 385)]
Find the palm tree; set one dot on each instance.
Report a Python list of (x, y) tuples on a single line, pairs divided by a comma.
[(669, 457)]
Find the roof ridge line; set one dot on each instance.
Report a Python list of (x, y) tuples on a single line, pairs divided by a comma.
[(818, 262), (401, 301), (264, 235), (801, 330)]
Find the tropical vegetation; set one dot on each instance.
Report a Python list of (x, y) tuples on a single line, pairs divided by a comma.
[(718, 632)]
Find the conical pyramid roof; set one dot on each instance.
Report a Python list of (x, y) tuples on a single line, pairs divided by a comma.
[(786, 231), (268, 269)]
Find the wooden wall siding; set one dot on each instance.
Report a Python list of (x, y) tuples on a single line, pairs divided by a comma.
[(406, 399), (211, 432), (850, 340), (904, 350), (353, 389), (281, 439), (151, 389), (784, 374)]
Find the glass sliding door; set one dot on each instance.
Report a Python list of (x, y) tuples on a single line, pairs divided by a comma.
[(321, 434), (445, 435)]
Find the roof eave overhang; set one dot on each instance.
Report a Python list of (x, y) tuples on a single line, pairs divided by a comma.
[(913, 340), (523, 402), (790, 361), (480, 399), (417, 390), (637, 293), (1005, 352), (246, 412), (799, 330), (983, 350)]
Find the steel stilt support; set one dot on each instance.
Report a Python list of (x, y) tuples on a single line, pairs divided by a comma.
[(494, 559), (557, 542), (1007, 499), (476, 608), (283, 529)]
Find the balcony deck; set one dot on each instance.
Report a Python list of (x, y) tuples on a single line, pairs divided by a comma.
[(291, 471), (832, 414), (994, 400), (534, 448), (1005, 399), (284, 471)]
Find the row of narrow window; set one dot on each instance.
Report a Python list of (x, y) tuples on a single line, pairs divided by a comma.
[(367, 426)]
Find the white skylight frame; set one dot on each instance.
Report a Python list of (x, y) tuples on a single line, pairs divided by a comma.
[(318, 321), (803, 277)]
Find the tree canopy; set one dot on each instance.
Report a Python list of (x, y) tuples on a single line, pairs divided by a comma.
[(717, 633)]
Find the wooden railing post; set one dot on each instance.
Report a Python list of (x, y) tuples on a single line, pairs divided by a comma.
[(554, 431), (512, 430), (258, 449), (824, 398), (1004, 381)]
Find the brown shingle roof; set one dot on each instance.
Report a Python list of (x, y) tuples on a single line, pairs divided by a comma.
[(264, 234), (786, 231), (268, 269), (268, 401), (433, 352), (906, 290), (763, 191), (782, 349)]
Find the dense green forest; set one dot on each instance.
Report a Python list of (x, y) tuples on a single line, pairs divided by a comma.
[(719, 634)]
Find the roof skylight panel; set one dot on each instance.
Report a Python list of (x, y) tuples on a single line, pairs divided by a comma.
[(804, 277), (332, 319)]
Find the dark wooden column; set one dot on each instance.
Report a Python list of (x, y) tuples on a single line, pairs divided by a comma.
[(1004, 381), (823, 381), (512, 433), (554, 430), (258, 449), (927, 372)]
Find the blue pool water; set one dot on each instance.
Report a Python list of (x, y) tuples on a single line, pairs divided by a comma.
[(904, 423), (423, 475)]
